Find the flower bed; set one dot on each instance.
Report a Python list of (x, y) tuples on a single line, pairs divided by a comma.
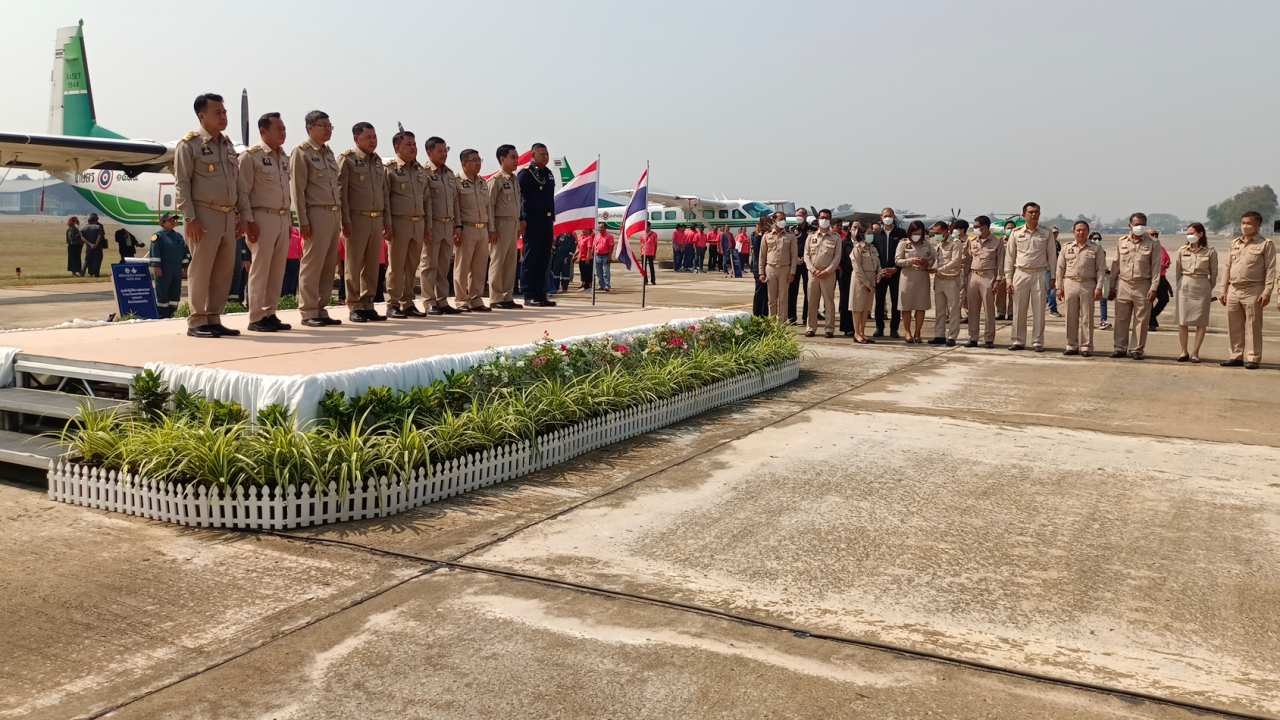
[(183, 459)]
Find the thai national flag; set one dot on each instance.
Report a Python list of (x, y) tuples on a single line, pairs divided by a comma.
[(526, 159), (635, 220), (576, 202)]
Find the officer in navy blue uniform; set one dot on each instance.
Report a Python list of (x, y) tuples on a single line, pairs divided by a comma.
[(538, 215), (170, 250)]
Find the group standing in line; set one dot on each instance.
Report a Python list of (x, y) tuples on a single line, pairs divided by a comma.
[(947, 268)]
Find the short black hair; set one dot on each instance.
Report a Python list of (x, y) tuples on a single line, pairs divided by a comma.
[(982, 221), (202, 101), (938, 224), (1252, 215), (360, 127), (915, 225), (1082, 221), (314, 117), (505, 150), (825, 210), (960, 224), (433, 141), (1139, 216), (264, 122), (400, 136), (469, 153), (537, 146), (1010, 221), (1027, 205)]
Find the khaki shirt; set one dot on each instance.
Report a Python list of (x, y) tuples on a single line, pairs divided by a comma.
[(1081, 262), (313, 172), (504, 196), (1195, 261), (362, 185), (908, 250), (1137, 260), (407, 189), (779, 251), (985, 255), (1030, 251), (442, 193), (950, 257), (866, 264), (473, 203), (1251, 263), (206, 172), (264, 182), (822, 250)]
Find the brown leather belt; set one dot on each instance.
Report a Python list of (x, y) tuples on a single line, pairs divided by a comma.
[(219, 208), (276, 211), (367, 213), (410, 218), (478, 226), (330, 208)]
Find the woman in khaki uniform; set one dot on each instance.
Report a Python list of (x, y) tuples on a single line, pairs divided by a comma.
[(862, 286), (915, 257), (1195, 272), (778, 262)]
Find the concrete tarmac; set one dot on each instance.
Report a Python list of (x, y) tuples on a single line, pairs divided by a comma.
[(1073, 522)]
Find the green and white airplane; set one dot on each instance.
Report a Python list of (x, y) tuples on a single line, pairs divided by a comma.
[(129, 181)]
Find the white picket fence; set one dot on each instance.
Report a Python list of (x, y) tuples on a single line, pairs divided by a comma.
[(280, 509)]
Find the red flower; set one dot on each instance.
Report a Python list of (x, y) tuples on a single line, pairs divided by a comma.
[(621, 349), (676, 342), (564, 348)]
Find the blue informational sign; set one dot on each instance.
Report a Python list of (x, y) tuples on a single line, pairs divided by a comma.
[(135, 295)]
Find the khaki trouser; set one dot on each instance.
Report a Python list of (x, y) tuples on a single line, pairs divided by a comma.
[(1133, 314), (437, 262), (825, 288), (403, 256), (778, 280), (213, 262), (946, 307), (319, 258), (1029, 293), (981, 296), (1244, 322), (468, 267), (502, 261), (266, 273), (364, 247), (1078, 295)]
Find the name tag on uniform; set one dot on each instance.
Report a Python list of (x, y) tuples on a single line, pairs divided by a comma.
[(506, 185), (206, 150), (266, 161)]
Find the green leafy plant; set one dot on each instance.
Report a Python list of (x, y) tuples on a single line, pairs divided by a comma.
[(150, 395)]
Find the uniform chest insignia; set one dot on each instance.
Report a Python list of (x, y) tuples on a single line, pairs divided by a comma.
[(466, 183), (266, 161), (403, 186), (506, 184), (206, 150)]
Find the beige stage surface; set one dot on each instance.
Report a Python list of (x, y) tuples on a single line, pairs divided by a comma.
[(304, 350)]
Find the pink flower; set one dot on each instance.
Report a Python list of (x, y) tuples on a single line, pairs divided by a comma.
[(676, 342), (539, 361), (693, 328), (621, 349), (564, 348)]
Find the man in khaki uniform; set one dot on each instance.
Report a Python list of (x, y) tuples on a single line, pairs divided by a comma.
[(206, 177), (780, 260), (475, 214), (410, 218), (822, 257), (316, 198), (947, 284), (443, 232), (984, 266), (1081, 266), (1029, 257), (1136, 265), (504, 199), (362, 184), (1246, 289), (264, 206)]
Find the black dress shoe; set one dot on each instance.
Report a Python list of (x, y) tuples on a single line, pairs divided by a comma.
[(1251, 366), (896, 336), (1016, 347), (202, 331), (397, 313), (435, 311), (878, 334), (937, 341), (450, 310), (481, 308), (330, 321), (315, 322), (1235, 362), (358, 316), (373, 316), (275, 321), (830, 334), (509, 305), (951, 343), (1119, 354), (1070, 351), (413, 311), (971, 343), (989, 345), (224, 331), (262, 325), (809, 333), (1136, 355)]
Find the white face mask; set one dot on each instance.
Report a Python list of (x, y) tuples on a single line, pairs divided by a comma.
[(955, 234), (1138, 230), (824, 223), (887, 221), (1193, 239), (780, 224), (916, 237)]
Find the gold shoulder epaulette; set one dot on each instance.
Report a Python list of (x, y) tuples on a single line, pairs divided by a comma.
[(191, 135)]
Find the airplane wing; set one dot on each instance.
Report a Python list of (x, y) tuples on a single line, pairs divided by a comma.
[(67, 153), (689, 201)]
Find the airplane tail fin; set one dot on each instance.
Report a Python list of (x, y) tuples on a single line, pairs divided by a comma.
[(71, 110), (566, 172)]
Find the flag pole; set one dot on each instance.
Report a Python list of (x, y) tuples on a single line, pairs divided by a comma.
[(644, 277), (595, 218)]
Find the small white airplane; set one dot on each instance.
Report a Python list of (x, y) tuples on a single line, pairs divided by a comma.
[(128, 181)]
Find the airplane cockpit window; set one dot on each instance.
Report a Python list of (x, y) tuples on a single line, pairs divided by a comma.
[(737, 215), (756, 209), (724, 214)]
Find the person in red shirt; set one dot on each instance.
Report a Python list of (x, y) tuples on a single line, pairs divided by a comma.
[(602, 244), (743, 257), (700, 247), (649, 251), (677, 249), (585, 251), (293, 264)]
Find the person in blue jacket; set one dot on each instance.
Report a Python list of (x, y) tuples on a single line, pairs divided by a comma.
[(169, 256)]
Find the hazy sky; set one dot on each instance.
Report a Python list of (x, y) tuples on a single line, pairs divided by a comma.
[(1083, 105)]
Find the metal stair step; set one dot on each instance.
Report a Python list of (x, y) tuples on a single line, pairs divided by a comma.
[(28, 450), (47, 403)]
